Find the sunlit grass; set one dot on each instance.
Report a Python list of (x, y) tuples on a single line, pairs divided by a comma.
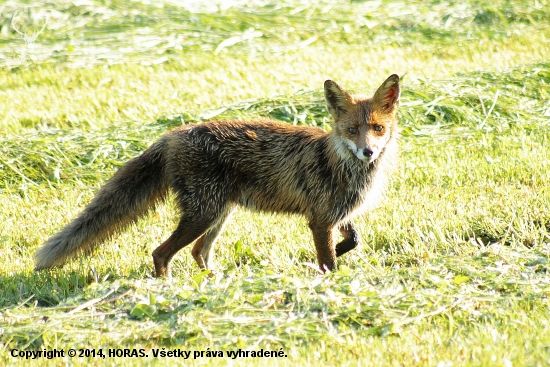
[(453, 268), (175, 68)]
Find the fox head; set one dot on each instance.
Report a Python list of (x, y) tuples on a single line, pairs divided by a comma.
[(364, 125)]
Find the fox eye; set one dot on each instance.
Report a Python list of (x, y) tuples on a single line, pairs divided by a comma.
[(352, 130), (378, 128)]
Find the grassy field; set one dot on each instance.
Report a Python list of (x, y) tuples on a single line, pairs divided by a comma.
[(454, 269)]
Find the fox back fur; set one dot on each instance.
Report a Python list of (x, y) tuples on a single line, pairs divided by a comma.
[(264, 165)]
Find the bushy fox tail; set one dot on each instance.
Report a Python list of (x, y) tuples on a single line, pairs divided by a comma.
[(135, 189)]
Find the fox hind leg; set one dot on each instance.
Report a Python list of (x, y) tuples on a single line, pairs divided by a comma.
[(203, 250), (350, 241), (190, 227)]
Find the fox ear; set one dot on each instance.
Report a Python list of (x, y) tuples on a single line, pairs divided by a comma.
[(338, 100), (386, 98)]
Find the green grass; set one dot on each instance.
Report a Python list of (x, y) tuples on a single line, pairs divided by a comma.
[(454, 267)]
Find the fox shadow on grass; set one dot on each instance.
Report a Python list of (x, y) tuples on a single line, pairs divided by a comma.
[(51, 287), (39, 289)]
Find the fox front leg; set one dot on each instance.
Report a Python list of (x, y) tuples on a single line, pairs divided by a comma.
[(322, 236), (350, 241)]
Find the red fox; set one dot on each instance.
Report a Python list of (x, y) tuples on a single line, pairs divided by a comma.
[(329, 177)]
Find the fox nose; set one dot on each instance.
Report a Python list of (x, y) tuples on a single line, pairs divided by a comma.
[(368, 152)]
